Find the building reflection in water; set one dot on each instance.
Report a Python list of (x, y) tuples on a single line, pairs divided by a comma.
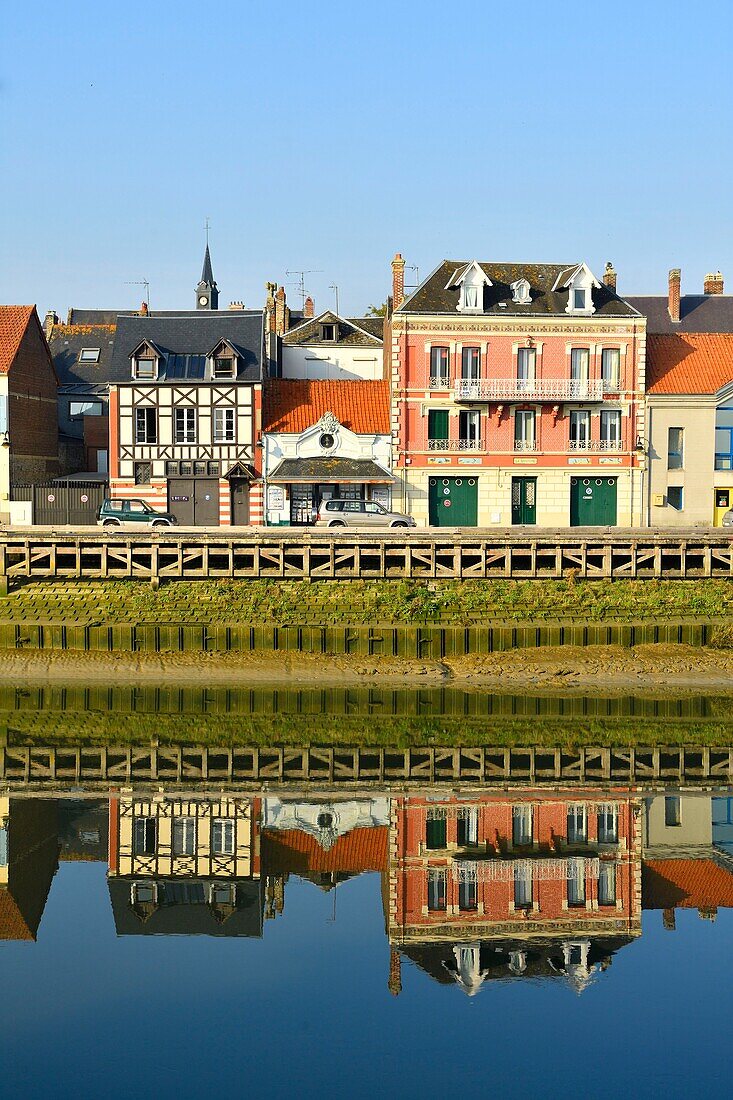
[(478, 886)]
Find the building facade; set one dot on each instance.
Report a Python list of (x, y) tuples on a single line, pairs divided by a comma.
[(517, 396)]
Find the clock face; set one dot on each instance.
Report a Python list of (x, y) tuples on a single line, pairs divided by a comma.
[(203, 300)]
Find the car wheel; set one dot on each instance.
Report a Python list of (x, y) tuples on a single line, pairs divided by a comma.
[(398, 523), (337, 523), (160, 523), (111, 523)]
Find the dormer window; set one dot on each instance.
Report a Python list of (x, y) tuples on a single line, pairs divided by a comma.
[(223, 367), (521, 295), (580, 282), (579, 298), (145, 367), (470, 281), (328, 332)]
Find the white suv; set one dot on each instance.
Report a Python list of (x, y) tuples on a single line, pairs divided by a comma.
[(359, 513)]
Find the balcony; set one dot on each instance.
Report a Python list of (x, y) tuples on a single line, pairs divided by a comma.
[(528, 389), (454, 445), (614, 446)]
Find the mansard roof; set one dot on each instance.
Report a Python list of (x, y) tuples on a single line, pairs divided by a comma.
[(192, 335), (439, 292)]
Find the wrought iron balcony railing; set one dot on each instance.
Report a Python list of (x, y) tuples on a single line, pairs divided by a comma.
[(528, 389)]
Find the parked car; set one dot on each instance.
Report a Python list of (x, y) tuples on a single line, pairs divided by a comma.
[(133, 514), (359, 513)]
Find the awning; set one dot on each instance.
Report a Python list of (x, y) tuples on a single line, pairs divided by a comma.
[(342, 471)]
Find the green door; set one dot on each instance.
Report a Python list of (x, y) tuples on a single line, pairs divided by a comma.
[(593, 501), (524, 500), (453, 501)]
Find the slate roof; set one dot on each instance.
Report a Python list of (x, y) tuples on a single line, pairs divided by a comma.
[(293, 470), (433, 297), (14, 321), (192, 333), (686, 884), (698, 363), (187, 918), (698, 313), (349, 333), (68, 341), (292, 405), (363, 849)]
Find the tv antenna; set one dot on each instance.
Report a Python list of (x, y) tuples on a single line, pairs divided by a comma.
[(301, 281), (141, 282), (335, 289), (416, 269)]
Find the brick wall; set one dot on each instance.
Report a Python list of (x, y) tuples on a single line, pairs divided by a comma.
[(32, 408)]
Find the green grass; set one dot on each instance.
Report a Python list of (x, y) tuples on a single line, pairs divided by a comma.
[(301, 603)]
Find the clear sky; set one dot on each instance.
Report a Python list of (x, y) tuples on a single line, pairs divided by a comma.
[(328, 136)]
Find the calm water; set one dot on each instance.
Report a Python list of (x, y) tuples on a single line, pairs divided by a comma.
[(324, 941)]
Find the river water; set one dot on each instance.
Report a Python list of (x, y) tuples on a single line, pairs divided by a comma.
[(353, 936)]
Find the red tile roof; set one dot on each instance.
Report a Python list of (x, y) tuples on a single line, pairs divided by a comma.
[(686, 884), (13, 323), (689, 363), (296, 851), (292, 405), (12, 922)]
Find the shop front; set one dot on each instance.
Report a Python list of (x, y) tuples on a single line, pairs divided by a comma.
[(297, 488)]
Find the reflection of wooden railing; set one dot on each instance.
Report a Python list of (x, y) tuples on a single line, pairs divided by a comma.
[(37, 767)]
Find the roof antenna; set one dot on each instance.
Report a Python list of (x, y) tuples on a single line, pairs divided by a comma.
[(301, 281), (335, 289), (141, 282)]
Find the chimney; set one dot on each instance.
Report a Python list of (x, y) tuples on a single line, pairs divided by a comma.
[(282, 313), (309, 307), (713, 283), (668, 919), (50, 320), (143, 309), (236, 305), (398, 280), (609, 277), (270, 306), (675, 277)]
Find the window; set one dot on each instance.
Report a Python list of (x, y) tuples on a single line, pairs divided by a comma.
[(144, 368), (328, 332), (577, 825), (672, 810), (212, 469), (521, 825), (523, 885), (724, 438), (610, 429), (222, 836), (675, 448), (199, 469), (436, 827), (144, 836), (223, 425), (579, 365), (85, 408), (576, 882), (436, 890), (143, 472), (224, 367), (89, 355), (611, 369), (608, 824), (146, 426), (579, 298), (3, 846), (526, 365), (471, 364), (437, 429), (607, 883), (144, 893), (439, 367), (579, 430), (467, 888), (521, 292), (524, 430), (468, 428), (467, 834), (185, 426), (675, 497), (184, 836)]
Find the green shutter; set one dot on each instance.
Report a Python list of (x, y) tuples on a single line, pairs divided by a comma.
[(437, 424)]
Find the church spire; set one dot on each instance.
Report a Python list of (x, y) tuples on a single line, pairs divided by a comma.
[(207, 292)]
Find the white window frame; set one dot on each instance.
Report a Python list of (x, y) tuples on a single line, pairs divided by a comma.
[(184, 836), (522, 824), (225, 424), (470, 364), (142, 423), (226, 827), (576, 887), (145, 375), (231, 373), (89, 355), (469, 428), (577, 824), (523, 885), (80, 407), (608, 815), (610, 438), (580, 365), (184, 425), (525, 430), (440, 380), (607, 883), (611, 378), (579, 429), (526, 367)]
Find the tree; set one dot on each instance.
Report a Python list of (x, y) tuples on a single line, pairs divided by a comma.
[(377, 311)]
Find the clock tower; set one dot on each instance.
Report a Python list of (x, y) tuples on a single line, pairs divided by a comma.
[(207, 292)]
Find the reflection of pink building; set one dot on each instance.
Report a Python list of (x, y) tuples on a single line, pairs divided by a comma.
[(515, 384), (492, 882)]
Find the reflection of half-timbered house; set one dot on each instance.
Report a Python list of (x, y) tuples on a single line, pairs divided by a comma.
[(184, 865), (183, 428), (499, 886)]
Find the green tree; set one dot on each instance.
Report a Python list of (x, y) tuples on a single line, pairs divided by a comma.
[(377, 311)]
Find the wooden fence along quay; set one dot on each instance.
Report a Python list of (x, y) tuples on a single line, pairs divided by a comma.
[(276, 553), (52, 768)]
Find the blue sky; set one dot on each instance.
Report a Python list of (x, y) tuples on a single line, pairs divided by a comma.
[(328, 136)]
